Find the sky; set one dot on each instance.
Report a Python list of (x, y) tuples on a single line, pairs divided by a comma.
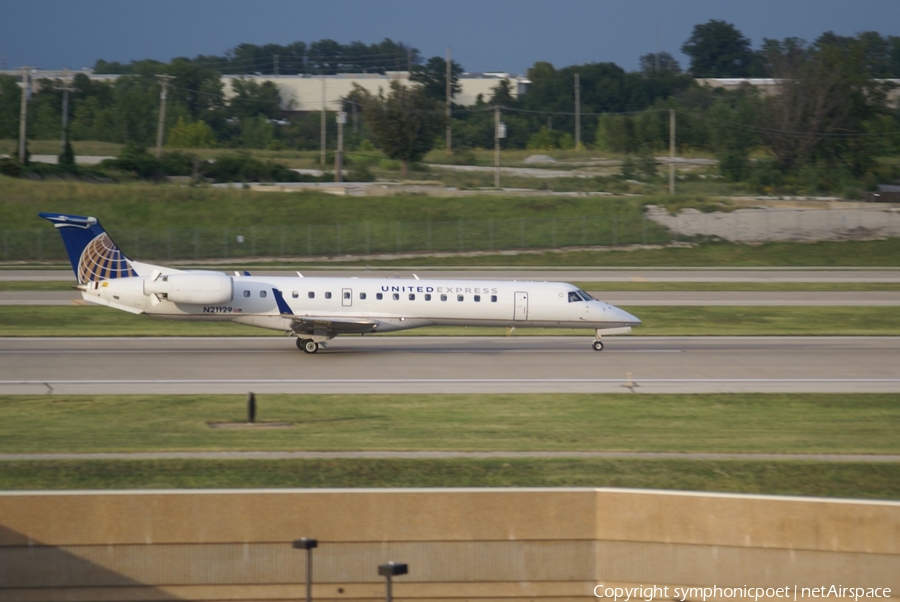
[(484, 35)]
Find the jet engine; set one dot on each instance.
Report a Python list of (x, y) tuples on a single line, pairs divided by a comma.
[(192, 289)]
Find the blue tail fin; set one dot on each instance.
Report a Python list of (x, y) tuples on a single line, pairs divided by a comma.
[(93, 254)]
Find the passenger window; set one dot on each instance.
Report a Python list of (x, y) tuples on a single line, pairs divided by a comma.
[(362, 296), (295, 294), (428, 296), (346, 295), (246, 293), (328, 295), (443, 297), (311, 295), (459, 297), (477, 298), (412, 297), (379, 296), (262, 294), (396, 296), (493, 298)]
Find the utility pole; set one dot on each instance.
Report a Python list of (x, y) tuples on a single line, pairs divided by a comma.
[(497, 147), (275, 64), (671, 152), (322, 123), (339, 156), (577, 113), (162, 112), (66, 88), (23, 113), (449, 97)]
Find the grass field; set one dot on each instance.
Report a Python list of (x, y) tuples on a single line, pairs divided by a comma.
[(738, 423), (844, 480), (677, 423), (162, 206), (92, 320), (162, 222)]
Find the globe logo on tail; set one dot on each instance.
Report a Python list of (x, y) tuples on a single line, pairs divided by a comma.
[(102, 260)]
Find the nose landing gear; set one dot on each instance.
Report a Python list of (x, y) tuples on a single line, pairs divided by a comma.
[(598, 344)]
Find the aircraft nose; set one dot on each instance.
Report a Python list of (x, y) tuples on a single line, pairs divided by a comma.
[(620, 317), (627, 319)]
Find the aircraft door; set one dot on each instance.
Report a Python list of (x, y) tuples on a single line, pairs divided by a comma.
[(347, 297), (521, 306)]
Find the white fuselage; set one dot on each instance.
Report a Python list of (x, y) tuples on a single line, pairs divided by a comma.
[(395, 304)]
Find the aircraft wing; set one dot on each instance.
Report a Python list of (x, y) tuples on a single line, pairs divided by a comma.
[(322, 325)]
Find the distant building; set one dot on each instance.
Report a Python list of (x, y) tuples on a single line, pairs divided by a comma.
[(770, 86), (304, 93)]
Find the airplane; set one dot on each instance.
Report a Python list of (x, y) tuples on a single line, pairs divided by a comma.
[(317, 309)]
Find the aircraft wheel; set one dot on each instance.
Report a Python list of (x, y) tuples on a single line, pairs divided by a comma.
[(299, 343), (598, 346), (309, 346)]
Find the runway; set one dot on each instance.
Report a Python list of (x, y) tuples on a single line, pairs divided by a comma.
[(403, 365)]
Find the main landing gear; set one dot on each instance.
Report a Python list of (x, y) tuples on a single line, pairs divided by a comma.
[(307, 345)]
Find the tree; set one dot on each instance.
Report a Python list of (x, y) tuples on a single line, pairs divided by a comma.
[(405, 122), (823, 100), (252, 98), (433, 78), (501, 94), (730, 138), (10, 101), (67, 157), (198, 89), (190, 135), (718, 49), (659, 62)]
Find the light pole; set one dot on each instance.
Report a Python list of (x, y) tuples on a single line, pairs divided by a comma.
[(391, 569), (307, 544), (341, 119)]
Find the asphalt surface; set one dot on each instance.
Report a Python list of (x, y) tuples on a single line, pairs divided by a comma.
[(419, 365)]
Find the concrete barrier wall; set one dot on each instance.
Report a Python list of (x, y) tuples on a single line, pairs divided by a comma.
[(459, 543)]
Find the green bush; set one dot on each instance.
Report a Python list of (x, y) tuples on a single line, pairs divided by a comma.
[(241, 167), (137, 160), (178, 163), (11, 168)]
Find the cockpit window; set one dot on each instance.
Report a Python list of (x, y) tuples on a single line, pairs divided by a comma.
[(579, 295)]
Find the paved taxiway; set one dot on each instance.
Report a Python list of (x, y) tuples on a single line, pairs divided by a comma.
[(450, 365)]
